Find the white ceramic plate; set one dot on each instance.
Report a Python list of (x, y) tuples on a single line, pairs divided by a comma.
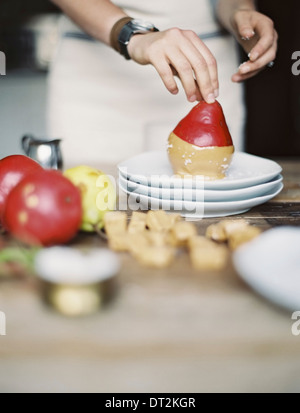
[(154, 169), (197, 210), (207, 195), (270, 264)]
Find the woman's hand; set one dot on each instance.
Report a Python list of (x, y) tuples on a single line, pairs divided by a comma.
[(256, 33), (181, 53)]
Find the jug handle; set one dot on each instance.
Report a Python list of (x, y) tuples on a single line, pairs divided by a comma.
[(26, 143)]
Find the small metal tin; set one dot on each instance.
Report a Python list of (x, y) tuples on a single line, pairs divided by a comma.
[(46, 152), (77, 283)]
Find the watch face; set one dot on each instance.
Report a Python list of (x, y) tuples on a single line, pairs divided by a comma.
[(131, 28), (141, 24)]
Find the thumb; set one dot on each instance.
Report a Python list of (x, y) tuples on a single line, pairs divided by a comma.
[(244, 25)]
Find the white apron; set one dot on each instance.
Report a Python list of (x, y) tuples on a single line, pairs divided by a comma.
[(107, 109)]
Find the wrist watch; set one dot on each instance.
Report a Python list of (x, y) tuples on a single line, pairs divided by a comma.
[(131, 28)]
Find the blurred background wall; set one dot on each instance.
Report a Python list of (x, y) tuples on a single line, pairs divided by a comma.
[(28, 32), (28, 36), (273, 97)]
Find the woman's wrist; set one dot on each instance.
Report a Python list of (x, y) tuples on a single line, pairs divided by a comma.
[(115, 32), (125, 30)]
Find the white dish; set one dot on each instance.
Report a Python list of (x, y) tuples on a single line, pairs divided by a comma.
[(197, 210), (270, 264), (207, 195), (154, 169)]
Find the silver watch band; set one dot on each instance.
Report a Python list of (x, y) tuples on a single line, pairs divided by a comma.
[(128, 30)]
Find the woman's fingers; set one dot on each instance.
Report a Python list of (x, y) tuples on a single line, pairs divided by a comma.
[(192, 65), (243, 25), (261, 62), (184, 69), (198, 93), (208, 59), (258, 37), (238, 77), (249, 68), (167, 73), (181, 53), (267, 38)]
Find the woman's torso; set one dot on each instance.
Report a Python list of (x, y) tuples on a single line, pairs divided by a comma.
[(194, 15)]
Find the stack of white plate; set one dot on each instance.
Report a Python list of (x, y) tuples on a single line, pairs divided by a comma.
[(150, 183)]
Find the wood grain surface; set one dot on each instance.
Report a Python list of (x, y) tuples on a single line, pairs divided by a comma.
[(173, 330)]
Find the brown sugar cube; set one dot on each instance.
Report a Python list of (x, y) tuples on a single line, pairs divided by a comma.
[(181, 232), (156, 257), (137, 222), (157, 239), (136, 227), (209, 258), (160, 221), (119, 242), (231, 226), (115, 222), (138, 216), (138, 242), (220, 232), (216, 232), (200, 242), (174, 218), (157, 221), (239, 238)]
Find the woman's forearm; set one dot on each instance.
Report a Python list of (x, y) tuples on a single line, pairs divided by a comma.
[(96, 17), (225, 10)]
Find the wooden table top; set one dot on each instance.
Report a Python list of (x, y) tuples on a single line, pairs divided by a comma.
[(173, 330)]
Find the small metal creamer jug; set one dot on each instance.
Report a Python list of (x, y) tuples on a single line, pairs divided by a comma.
[(46, 152)]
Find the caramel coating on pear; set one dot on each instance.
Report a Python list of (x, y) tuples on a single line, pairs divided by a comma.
[(211, 162)]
